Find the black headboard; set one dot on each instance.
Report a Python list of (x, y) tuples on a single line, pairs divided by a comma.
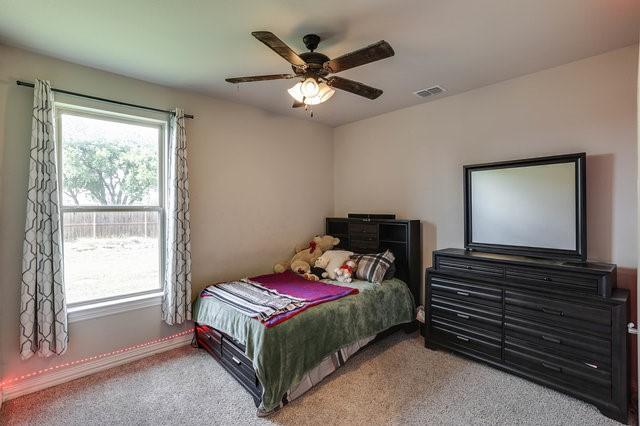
[(401, 237)]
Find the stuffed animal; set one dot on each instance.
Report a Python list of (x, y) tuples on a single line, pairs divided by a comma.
[(304, 258), (314, 274), (332, 260), (345, 272), (300, 267)]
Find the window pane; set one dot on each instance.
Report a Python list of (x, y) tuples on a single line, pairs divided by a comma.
[(108, 162), (110, 254)]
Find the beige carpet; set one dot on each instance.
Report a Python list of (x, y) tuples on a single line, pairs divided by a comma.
[(396, 381)]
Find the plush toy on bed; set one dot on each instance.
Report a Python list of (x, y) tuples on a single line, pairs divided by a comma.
[(305, 258), (345, 272), (331, 261), (314, 274)]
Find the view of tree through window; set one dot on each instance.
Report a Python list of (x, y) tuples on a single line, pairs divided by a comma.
[(109, 163), (111, 204)]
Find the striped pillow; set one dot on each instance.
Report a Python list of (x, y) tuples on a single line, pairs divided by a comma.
[(373, 267)]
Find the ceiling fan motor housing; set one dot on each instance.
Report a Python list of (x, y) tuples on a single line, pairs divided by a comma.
[(314, 62), (313, 59)]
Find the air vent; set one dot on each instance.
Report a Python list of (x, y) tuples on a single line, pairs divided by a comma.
[(429, 92)]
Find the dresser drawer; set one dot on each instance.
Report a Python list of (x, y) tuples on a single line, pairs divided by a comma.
[(466, 292), (577, 376), (466, 314), (466, 339), (209, 339), (238, 359), (479, 269), (558, 313), (580, 347), (364, 246), (363, 229), (546, 279), (360, 238), (231, 356)]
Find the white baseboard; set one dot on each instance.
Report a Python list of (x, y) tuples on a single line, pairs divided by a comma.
[(66, 374)]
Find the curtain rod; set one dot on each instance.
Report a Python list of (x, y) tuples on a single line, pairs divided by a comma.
[(96, 98)]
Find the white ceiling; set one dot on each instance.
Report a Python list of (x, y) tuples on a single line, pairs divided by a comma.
[(458, 44)]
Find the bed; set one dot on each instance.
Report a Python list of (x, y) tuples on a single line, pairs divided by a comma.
[(280, 363)]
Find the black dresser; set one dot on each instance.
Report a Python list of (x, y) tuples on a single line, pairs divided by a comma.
[(401, 237), (558, 324)]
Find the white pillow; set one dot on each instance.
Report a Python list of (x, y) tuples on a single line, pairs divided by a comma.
[(332, 260)]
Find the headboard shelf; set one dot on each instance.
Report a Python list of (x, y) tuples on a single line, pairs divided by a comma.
[(401, 237)]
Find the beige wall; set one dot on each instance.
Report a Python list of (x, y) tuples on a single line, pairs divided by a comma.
[(255, 194), (409, 161), (257, 189)]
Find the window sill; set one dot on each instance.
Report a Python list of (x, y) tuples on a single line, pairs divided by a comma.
[(112, 307)]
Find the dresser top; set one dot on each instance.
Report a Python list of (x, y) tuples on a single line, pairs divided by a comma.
[(360, 220), (593, 267)]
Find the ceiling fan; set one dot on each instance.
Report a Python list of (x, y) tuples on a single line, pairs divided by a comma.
[(313, 69)]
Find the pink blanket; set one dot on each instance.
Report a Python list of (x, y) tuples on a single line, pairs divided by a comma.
[(292, 284)]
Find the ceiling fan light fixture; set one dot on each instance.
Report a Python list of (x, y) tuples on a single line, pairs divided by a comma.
[(314, 68), (324, 93), (296, 92), (310, 87)]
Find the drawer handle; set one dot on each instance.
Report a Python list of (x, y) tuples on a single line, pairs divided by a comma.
[(462, 293), (588, 364), (552, 367), (551, 339), (548, 279), (464, 339), (236, 360), (463, 316), (552, 311), (469, 267)]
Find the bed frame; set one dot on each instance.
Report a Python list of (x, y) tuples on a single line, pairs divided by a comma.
[(402, 237), (230, 354)]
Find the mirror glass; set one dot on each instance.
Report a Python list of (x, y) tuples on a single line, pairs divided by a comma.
[(533, 206)]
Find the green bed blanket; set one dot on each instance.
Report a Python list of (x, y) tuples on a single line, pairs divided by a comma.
[(282, 354)]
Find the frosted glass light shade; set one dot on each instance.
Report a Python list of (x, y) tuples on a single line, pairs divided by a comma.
[(324, 93), (310, 88)]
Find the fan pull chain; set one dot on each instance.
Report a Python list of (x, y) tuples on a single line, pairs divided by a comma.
[(308, 110)]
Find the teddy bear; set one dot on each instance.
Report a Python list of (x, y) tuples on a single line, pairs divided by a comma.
[(301, 262), (331, 260), (345, 272)]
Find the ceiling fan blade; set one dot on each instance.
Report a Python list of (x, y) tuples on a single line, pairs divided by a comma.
[(278, 46), (297, 104), (373, 52), (354, 87), (259, 78)]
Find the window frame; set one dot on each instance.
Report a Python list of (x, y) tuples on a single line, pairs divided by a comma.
[(105, 305)]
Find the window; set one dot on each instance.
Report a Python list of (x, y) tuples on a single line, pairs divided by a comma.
[(111, 170)]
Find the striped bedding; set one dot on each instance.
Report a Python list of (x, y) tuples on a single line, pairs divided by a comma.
[(275, 298), (252, 299)]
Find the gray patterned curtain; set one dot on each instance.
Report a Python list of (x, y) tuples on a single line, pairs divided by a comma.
[(176, 302), (43, 312)]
